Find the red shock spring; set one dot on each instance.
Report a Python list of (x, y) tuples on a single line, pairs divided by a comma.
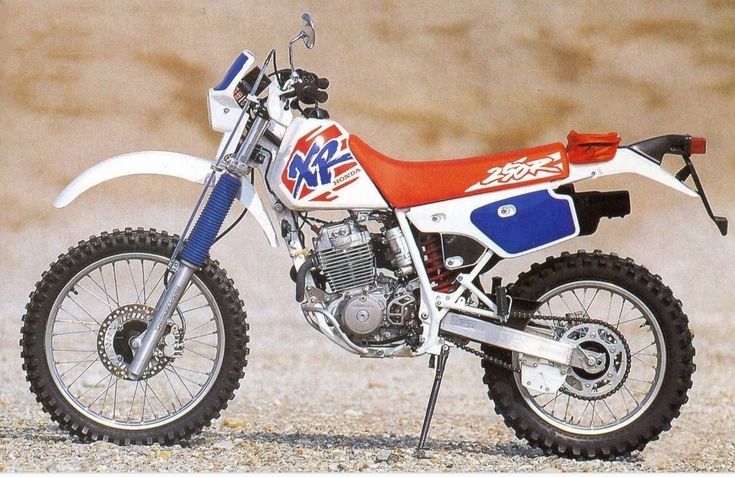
[(442, 280)]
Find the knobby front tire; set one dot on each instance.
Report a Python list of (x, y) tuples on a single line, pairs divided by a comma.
[(83, 294)]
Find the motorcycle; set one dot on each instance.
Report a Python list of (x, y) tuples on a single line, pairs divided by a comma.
[(139, 337)]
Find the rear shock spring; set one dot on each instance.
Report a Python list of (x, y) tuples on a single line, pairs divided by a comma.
[(442, 280)]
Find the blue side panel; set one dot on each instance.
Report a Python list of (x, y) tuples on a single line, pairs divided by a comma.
[(522, 223), (232, 72)]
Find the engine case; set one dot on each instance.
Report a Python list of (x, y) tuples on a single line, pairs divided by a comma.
[(378, 315)]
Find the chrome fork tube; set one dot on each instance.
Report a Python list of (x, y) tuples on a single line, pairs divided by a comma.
[(165, 307)]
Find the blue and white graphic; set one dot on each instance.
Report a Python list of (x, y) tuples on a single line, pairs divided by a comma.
[(526, 222)]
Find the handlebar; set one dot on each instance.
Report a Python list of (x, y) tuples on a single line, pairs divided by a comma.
[(309, 88)]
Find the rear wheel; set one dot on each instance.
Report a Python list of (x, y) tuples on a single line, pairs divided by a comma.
[(631, 317), (82, 318)]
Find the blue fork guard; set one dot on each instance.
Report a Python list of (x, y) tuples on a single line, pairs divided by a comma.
[(210, 221)]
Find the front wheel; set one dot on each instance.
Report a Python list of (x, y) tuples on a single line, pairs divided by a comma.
[(80, 323), (621, 307)]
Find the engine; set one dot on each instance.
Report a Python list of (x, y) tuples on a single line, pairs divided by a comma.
[(345, 255), (372, 309)]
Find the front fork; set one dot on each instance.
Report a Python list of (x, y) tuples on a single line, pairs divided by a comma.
[(193, 257), (196, 250)]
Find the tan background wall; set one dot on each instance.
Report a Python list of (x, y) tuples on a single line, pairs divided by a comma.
[(82, 81)]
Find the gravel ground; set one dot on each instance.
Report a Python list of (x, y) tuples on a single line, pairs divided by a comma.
[(314, 408)]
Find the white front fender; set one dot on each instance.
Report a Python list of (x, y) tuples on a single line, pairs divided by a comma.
[(163, 163)]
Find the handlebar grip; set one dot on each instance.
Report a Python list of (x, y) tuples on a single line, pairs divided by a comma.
[(311, 94)]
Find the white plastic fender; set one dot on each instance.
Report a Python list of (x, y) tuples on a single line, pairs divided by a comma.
[(249, 198), (165, 163), (627, 161)]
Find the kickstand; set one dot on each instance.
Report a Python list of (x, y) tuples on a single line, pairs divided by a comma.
[(441, 363)]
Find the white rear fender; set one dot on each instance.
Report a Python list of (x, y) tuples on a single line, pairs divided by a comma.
[(627, 161), (163, 163)]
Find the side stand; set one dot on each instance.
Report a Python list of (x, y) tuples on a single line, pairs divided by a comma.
[(442, 361)]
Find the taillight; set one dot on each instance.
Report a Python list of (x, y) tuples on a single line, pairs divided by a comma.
[(698, 145)]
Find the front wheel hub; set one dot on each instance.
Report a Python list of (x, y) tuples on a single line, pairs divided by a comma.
[(115, 341)]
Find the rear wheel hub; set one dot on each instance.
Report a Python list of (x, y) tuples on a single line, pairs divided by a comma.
[(610, 374)]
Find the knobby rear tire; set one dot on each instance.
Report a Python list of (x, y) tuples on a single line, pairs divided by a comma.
[(508, 400), (40, 306)]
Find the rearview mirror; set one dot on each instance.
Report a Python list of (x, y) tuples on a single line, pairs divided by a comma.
[(307, 31)]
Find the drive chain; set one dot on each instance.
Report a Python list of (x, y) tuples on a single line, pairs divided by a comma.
[(570, 319)]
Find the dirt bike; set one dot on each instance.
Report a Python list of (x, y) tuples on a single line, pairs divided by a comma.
[(138, 337)]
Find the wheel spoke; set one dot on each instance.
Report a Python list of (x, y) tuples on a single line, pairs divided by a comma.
[(104, 286), (181, 368), (644, 348), (182, 381), (73, 332), (76, 361), (145, 396), (158, 399), (132, 403), (631, 395), (201, 343), (142, 272), (198, 353), (107, 391), (647, 364), (176, 395), (631, 320), (132, 279), (581, 415), (85, 360), (83, 309), (155, 287), (199, 326), (191, 298), (114, 403), (561, 296), (114, 275), (584, 309), (195, 308), (551, 400), (201, 336), (620, 315), (104, 302), (80, 375), (604, 401), (92, 387), (77, 320)]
